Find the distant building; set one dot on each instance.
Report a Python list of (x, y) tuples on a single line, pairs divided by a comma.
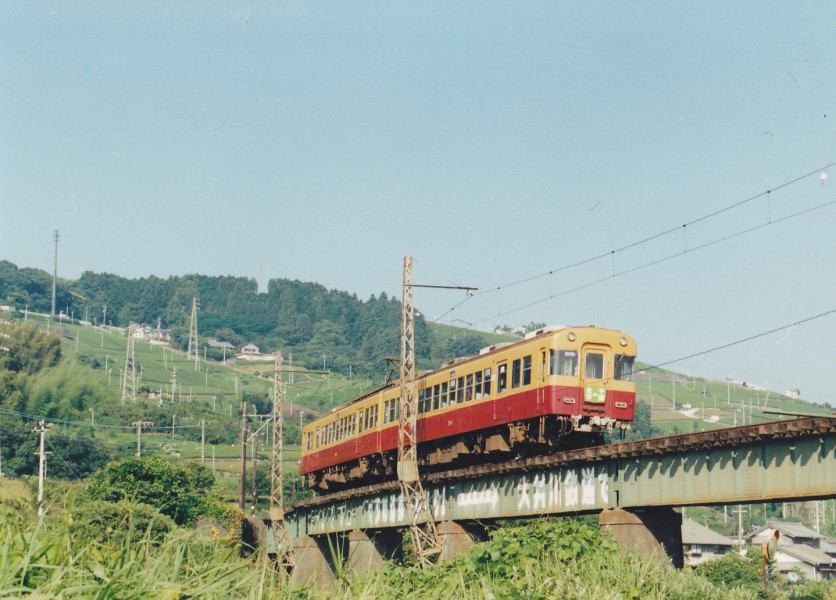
[(800, 550), (156, 336), (794, 394), (251, 352), (216, 344), (700, 543)]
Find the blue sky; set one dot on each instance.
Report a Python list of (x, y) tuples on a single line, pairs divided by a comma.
[(492, 141)]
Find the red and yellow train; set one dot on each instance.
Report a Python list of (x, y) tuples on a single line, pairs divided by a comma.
[(560, 387)]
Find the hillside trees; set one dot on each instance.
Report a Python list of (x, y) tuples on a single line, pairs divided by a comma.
[(294, 316)]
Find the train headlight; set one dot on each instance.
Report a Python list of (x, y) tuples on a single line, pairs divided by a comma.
[(623, 341), (571, 337)]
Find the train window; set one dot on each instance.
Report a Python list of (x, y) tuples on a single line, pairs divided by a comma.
[(444, 392), (624, 367), (460, 391), (502, 379), (452, 391), (468, 388), (359, 421), (437, 394), (420, 401), (477, 385), (515, 373), (373, 417), (526, 374), (564, 362), (593, 366), (486, 387)]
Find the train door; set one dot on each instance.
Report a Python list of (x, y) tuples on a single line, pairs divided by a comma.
[(596, 371), (541, 380), (500, 408)]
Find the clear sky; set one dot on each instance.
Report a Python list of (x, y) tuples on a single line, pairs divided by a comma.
[(493, 141)]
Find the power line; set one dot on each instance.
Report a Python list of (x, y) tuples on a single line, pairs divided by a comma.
[(655, 236), (648, 264)]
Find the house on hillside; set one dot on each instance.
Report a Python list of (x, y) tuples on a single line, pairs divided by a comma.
[(699, 543), (158, 336), (800, 550), (252, 352), (216, 344)]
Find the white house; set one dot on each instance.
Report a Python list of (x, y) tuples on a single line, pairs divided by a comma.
[(251, 352)]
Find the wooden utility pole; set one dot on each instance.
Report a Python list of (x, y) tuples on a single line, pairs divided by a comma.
[(426, 541), (203, 442), (243, 490), (279, 528)]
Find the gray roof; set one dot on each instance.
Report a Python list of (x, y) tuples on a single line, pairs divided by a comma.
[(694, 533), (788, 529), (806, 553), (217, 344)]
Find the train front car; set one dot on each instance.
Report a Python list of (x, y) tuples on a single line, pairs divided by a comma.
[(588, 387)]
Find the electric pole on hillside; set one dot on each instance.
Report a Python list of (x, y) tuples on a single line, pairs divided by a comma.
[(279, 528), (55, 235), (129, 372), (426, 541), (139, 425), (41, 431), (193, 349), (243, 484)]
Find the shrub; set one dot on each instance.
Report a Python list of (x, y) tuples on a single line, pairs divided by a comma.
[(184, 493), (114, 523)]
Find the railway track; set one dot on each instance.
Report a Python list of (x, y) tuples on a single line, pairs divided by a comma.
[(707, 440)]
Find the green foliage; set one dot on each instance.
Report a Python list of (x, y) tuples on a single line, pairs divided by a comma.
[(641, 427), (732, 570), (813, 590), (115, 523), (182, 492), (63, 561)]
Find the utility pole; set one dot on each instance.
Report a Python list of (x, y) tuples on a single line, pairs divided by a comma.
[(203, 442), (41, 430), (193, 349), (55, 235), (139, 425), (1, 458), (255, 473), (426, 541), (279, 527), (243, 486), (129, 372)]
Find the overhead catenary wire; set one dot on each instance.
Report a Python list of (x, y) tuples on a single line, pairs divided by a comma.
[(655, 236), (651, 263)]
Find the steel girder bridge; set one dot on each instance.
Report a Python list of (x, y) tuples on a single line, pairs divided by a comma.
[(633, 484)]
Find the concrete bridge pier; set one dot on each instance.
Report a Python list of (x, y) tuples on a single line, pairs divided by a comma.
[(368, 550), (314, 562), (646, 530), (458, 537)]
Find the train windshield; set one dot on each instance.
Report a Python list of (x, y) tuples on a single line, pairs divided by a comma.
[(564, 362), (624, 367)]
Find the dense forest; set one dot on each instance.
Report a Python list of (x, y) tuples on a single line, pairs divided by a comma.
[(303, 318)]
